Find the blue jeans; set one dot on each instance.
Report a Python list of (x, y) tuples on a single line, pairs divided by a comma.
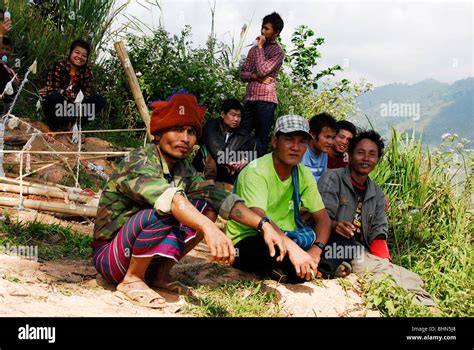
[(258, 115)]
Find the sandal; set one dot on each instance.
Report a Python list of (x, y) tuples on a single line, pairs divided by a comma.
[(343, 270), (142, 297), (279, 275), (176, 287)]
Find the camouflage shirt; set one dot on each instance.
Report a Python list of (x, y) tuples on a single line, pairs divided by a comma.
[(143, 181)]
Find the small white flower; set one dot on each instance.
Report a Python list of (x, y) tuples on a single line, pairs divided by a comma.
[(445, 135)]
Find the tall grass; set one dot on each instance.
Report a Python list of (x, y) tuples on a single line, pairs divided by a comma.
[(431, 223), (44, 32)]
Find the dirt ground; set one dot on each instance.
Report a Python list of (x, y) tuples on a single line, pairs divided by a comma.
[(73, 288)]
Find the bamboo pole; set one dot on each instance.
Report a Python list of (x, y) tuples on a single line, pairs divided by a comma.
[(47, 192), (134, 86), (64, 152), (62, 208), (88, 131), (44, 184), (36, 170)]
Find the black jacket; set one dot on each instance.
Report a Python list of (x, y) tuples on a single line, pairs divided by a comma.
[(238, 145), (213, 137)]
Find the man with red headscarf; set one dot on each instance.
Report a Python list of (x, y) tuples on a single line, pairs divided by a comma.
[(156, 208)]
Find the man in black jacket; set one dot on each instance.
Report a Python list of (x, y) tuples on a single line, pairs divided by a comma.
[(225, 151)]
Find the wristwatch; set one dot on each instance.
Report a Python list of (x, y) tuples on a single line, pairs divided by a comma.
[(320, 245), (262, 221)]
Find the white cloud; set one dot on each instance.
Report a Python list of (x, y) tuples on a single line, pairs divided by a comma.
[(386, 41)]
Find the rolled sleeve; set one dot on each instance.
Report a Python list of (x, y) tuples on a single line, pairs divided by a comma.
[(164, 201), (228, 204)]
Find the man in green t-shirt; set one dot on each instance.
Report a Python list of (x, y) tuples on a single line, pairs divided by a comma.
[(266, 186)]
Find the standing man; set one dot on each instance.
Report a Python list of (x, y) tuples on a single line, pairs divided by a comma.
[(337, 155), (260, 70), (156, 208)]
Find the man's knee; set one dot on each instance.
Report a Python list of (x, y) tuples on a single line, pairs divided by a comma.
[(367, 262)]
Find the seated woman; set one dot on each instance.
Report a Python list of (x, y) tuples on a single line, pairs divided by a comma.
[(65, 79)]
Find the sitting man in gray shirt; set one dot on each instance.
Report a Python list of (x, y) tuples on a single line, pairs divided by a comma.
[(356, 205)]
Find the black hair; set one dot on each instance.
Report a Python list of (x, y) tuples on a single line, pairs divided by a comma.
[(371, 135), (229, 104), (346, 125), (7, 41), (81, 43), (319, 121), (275, 20)]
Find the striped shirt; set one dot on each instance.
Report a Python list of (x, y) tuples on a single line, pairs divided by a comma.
[(265, 61)]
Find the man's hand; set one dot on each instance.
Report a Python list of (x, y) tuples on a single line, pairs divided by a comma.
[(315, 253), (272, 238), (260, 40), (5, 26), (306, 266), (344, 228), (236, 167), (265, 80), (220, 245)]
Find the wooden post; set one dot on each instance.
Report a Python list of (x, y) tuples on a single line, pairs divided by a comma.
[(133, 82)]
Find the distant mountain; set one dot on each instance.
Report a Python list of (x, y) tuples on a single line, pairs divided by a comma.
[(429, 106)]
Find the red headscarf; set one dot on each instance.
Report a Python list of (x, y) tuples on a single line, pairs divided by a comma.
[(180, 109)]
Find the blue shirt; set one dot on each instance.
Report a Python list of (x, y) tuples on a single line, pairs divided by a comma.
[(316, 163)]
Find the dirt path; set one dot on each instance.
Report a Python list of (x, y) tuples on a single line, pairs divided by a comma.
[(73, 288)]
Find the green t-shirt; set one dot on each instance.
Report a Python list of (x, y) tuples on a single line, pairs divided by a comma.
[(259, 186)]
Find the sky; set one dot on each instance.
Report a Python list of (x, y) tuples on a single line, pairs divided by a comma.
[(381, 41)]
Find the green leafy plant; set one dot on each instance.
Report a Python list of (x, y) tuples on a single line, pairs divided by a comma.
[(54, 241), (430, 217), (240, 299)]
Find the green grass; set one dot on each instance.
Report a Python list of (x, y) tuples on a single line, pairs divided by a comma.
[(240, 299), (87, 179), (53, 241), (391, 300), (430, 225)]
